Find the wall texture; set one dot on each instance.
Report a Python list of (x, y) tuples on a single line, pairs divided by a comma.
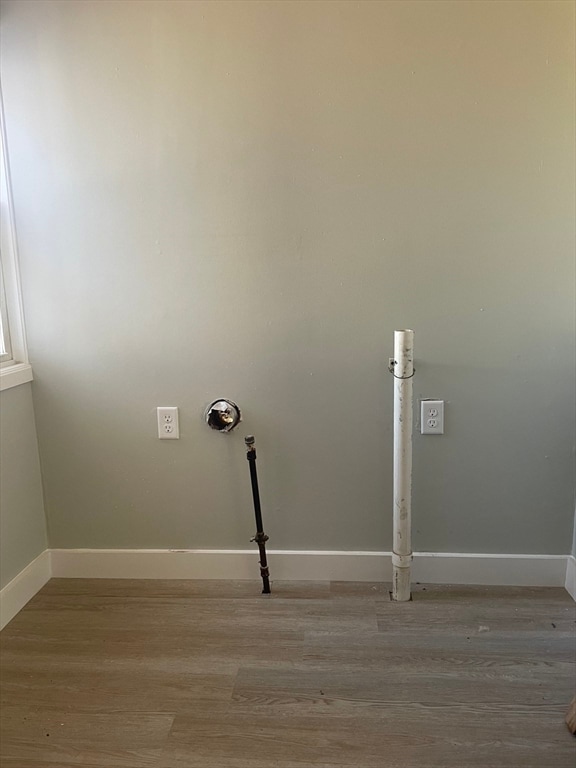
[(22, 521), (245, 199)]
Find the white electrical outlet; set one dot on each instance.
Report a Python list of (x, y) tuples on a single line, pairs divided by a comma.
[(432, 417), (168, 422)]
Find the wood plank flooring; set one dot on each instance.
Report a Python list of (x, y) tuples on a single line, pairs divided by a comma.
[(191, 674)]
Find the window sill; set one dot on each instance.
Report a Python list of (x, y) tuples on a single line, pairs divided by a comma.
[(14, 375)]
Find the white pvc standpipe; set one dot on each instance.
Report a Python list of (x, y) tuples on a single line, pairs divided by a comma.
[(403, 370)]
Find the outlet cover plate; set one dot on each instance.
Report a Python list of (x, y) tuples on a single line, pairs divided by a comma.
[(432, 417), (168, 428)]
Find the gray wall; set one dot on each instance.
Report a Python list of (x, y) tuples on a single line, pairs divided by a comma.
[(245, 200), (22, 521)]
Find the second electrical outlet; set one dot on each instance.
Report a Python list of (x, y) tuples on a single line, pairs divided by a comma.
[(432, 417), (168, 422)]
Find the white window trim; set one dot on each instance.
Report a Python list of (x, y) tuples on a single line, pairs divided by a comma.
[(17, 370), (6, 349)]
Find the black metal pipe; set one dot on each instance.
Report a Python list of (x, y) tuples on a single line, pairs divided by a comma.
[(260, 537)]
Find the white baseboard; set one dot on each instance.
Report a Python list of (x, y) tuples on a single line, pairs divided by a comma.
[(23, 587), (495, 570), (285, 565), (428, 567), (571, 576)]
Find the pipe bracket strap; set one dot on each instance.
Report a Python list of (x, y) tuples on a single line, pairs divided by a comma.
[(391, 369), (401, 561)]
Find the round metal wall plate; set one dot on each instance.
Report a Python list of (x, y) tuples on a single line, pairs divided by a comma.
[(223, 415)]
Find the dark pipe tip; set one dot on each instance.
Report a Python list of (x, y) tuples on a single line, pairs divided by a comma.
[(249, 440)]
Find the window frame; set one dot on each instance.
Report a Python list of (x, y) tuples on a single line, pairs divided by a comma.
[(5, 343), (15, 368)]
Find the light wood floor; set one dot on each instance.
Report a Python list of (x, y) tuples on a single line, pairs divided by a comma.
[(174, 674)]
